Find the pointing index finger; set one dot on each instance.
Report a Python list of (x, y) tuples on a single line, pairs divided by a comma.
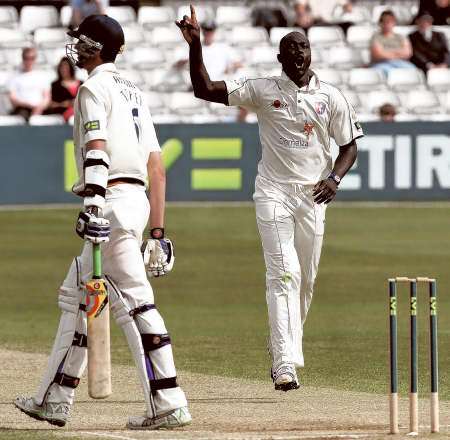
[(193, 14)]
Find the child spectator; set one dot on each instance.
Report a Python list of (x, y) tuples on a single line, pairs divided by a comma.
[(387, 113)]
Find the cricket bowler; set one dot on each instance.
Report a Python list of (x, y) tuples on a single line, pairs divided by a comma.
[(117, 154), (297, 114)]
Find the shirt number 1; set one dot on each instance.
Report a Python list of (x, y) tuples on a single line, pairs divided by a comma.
[(137, 124)]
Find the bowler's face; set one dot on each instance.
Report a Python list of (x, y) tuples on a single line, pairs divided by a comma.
[(295, 54)]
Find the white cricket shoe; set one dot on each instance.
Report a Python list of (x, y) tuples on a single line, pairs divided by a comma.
[(285, 377), (173, 419), (53, 413)]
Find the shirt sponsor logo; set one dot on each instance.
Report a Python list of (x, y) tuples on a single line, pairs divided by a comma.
[(92, 125), (293, 143), (320, 108), (278, 104)]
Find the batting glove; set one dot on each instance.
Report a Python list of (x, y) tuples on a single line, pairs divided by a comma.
[(92, 228), (158, 255)]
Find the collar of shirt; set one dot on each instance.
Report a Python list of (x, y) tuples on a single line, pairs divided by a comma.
[(428, 34), (314, 84), (106, 67)]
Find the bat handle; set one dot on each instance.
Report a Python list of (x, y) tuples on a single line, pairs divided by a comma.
[(96, 260)]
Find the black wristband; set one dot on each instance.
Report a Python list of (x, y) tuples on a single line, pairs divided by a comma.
[(157, 233)]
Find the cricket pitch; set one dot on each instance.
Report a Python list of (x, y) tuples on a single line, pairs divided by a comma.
[(222, 408)]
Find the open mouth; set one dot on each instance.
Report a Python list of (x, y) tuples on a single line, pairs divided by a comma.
[(299, 64)]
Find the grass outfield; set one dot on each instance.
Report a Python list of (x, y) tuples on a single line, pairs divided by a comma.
[(214, 302)]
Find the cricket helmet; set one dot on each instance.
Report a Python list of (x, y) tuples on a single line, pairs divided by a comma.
[(96, 33)]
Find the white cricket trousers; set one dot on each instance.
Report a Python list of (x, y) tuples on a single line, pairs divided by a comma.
[(132, 302), (291, 227)]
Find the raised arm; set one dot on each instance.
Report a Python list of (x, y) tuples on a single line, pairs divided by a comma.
[(204, 88)]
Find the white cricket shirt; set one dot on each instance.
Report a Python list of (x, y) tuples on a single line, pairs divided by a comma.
[(112, 108), (29, 87), (295, 125)]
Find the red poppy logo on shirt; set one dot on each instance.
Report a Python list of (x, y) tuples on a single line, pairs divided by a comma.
[(308, 128)]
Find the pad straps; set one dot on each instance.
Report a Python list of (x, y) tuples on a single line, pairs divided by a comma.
[(152, 342), (163, 384), (66, 380)]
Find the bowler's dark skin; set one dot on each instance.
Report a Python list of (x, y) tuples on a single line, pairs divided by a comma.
[(295, 58)]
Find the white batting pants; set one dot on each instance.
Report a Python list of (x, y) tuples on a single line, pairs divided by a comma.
[(127, 208), (291, 227)]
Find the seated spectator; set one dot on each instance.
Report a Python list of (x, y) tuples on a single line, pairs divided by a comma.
[(438, 9), (304, 17), (64, 90), (387, 113), (219, 58), (430, 48), (83, 8), (28, 91), (348, 14), (388, 49), (268, 16)]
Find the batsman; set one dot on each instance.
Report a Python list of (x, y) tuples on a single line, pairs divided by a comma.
[(117, 154)]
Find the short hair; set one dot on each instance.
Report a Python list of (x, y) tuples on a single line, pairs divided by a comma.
[(287, 37), (387, 109), (387, 13), (28, 49)]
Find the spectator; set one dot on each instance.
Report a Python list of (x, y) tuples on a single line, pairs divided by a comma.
[(438, 9), (347, 14), (387, 113), (269, 16), (28, 91), (303, 16), (389, 50), (218, 58), (64, 90), (83, 8), (430, 48)]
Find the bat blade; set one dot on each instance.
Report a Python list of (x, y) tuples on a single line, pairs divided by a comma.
[(99, 354)]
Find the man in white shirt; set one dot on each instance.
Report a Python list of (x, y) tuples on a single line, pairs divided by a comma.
[(29, 92), (219, 58), (117, 154), (297, 113)]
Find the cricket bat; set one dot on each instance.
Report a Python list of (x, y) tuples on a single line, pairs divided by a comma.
[(97, 308)]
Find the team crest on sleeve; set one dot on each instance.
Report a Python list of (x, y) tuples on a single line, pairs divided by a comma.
[(92, 125), (320, 108)]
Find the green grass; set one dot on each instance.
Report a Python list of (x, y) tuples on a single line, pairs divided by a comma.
[(214, 301)]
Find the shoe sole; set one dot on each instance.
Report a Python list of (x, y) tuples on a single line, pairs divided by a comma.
[(40, 418), (155, 428), (287, 386)]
